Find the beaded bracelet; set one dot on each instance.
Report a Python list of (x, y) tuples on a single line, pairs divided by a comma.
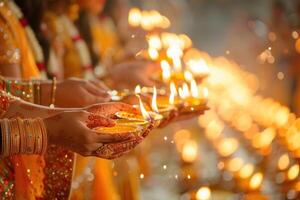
[(23, 136)]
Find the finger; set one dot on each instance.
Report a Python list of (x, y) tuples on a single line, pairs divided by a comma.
[(97, 121), (91, 88), (99, 84)]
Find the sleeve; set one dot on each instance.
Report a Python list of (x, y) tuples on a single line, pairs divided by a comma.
[(9, 51)]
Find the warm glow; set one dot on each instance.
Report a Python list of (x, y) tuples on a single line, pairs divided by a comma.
[(293, 172), (155, 42), (198, 67), (256, 180), (214, 129), (235, 164), (134, 17), (137, 89), (189, 151), (203, 193), (180, 137), (153, 53), (177, 64), (154, 101), (246, 171), (173, 93), (228, 146), (194, 89), (186, 40), (205, 92), (283, 162), (188, 76), (144, 112), (166, 70), (186, 90), (264, 139)]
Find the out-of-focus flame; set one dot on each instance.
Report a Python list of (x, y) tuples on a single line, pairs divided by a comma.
[(283, 162), (166, 70), (134, 17), (293, 172), (203, 193), (154, 100), (235, 164), (198, 67), (186, 40), (189, 151), (174, 51), (154, 42), (153, 53), (205, 92), (177, 64), (194, 89), (188, 76), (144, 112), (256, 180), (184, 91), (246, 171), (137, 89), (173, 93), (228, 146)]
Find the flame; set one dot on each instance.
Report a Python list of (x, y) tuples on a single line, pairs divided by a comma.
[(144, 112), (188, 76), (198, 67), (184, 91), (203, 193), (154, 100), (134, 17), (194, 89), (173, 93), (205, 92), (283, 162), (189, 151), (293, 172), (256, 180), (153, 53), (177, 64), (155, 42), (137, 89), (166, 70), (246, 171)]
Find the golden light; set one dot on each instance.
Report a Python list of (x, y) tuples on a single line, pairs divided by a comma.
[(205, 92), (166, 70), (137, 89), (235, 164), (293, 172), (185, 90), (165, 23), (154, 100), (194, 89), (155, 42), (186, 40), (189, 151), (144, 112), (177, 64), (246, 171), (180, 137), (203, 193), (256, 180), (173, 93), (134, 17), (153, 53), (264, 139), (283, 162), (198, 67), (146, 21), (188, 76), (174, 51), (227, 146), (214, 129)]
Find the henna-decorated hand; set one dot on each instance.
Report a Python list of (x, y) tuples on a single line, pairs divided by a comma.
[(71, 130)]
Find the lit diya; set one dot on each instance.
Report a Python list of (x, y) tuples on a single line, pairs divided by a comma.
[(191, 98)]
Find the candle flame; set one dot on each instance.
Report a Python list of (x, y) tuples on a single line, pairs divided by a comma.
[(194, 89), (205, 92), (144, 112), (188, 76), (153, 53), (186, 90), (198, 67), (154, 100), (177, 64), (166, 70), (173, 93), (256, 180), (138, 89), (134, 17), (203, 193), (155, 42)]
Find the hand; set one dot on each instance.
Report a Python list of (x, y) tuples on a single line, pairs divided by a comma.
[(129, 74), (109, 109), (79, 93), (70, 130)]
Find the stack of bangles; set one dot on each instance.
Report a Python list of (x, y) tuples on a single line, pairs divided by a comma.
[(23, 136)]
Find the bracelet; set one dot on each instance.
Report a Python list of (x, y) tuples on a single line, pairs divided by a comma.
[(26, 136), (53, 92)]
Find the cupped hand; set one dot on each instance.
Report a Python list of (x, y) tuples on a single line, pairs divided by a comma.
[(72, 130), (76, 93)]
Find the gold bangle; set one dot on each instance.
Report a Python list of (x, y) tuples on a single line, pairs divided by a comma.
[(29, 137), (15, 137), (23, 140), (53, 93), (6, 138), (38, 137), (44, 135), (3, 137)]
